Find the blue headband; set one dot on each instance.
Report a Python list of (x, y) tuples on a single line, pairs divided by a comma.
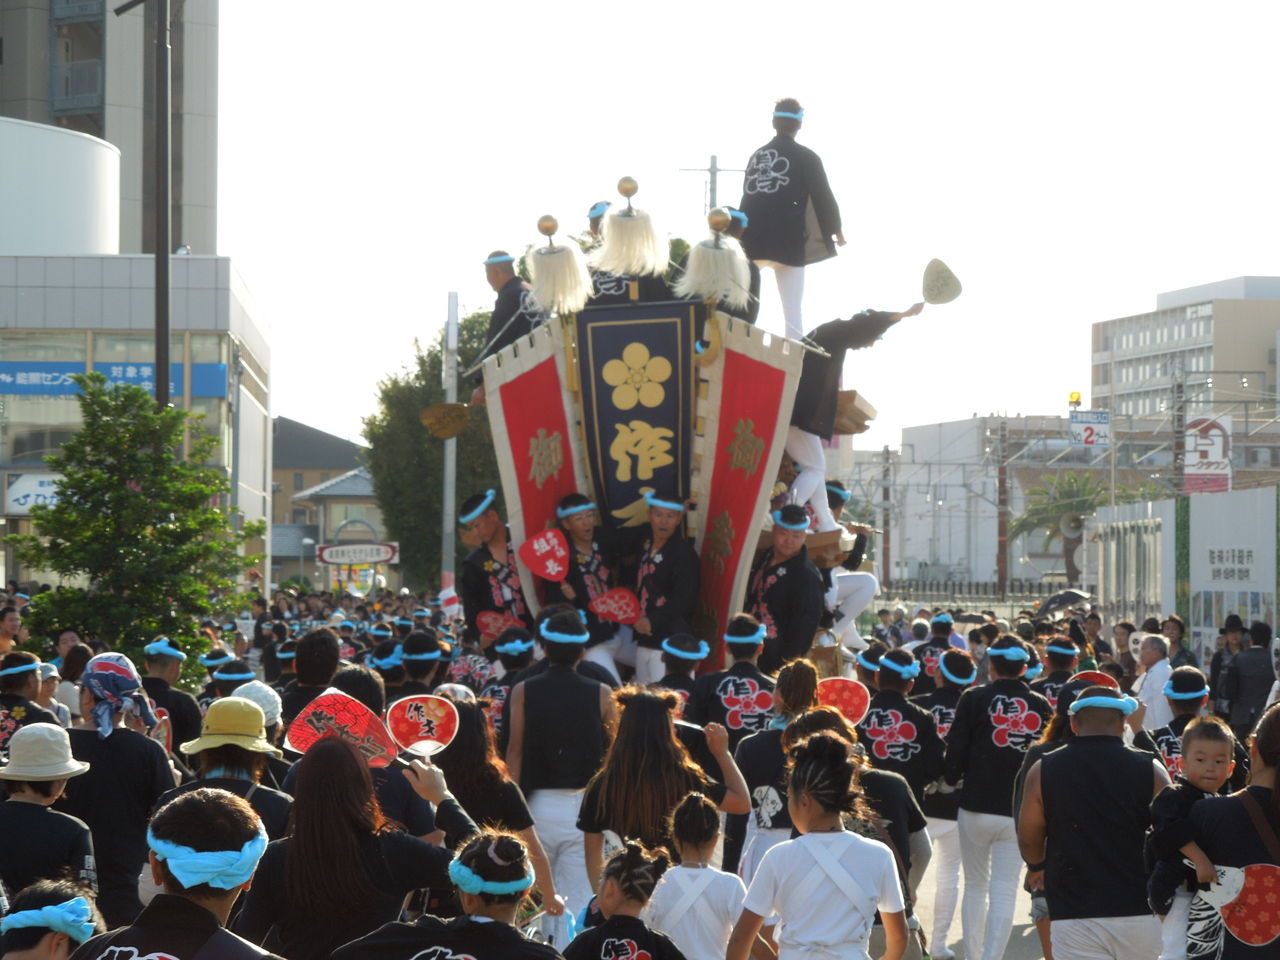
[(514, 647), (379, 632), (429, 655), (1125, 705), (468, 881), (843, 494), (485, 503), (221, 869), (209, 660), (420, 612), (21, 596), (701, 653), (598, 209), (22, 669), (570, 511), (403, 622), (906, 672), (1032, 672), (1173, 694), (741, 217), (228, 626), (789, 115), (1064, 651), (1009, 653), (504, 258), (961, 681), (73, 917), (347, 623), (163, 648), (387, 663), (942, 618), (753, 639), (286, 656), (562, 637), (872, 665), (247, 675), (653, 501), (779, 522)]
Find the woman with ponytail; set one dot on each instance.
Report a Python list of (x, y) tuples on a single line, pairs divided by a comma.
[(1239, 835), (647, 771), (492, 874), (828, 883)]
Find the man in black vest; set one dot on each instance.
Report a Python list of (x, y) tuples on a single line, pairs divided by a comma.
[(556, 744), (1085, 812), (785, 591), (793, 217)]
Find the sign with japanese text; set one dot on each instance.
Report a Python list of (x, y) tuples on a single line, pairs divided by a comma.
[(547, 555), (424, 724), (358, 553), (1231, 564), (635, 364), (1090, 428), (53, 378), (336, 714), (1207, 457), (26, 490)]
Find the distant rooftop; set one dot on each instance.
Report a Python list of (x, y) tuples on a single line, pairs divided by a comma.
[(354, 483), (1238, 288), (296, 446)]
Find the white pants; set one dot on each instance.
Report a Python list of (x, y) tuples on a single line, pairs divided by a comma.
[(649, 668), (602, 654), (851, 592), (1106, 938), (1173, 928), (790, 292), (992, 869), (946, 879), (555, 814), (810, 484)]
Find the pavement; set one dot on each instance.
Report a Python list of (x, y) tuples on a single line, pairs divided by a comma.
[(1024, 944)]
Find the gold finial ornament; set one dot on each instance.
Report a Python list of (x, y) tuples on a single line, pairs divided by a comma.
[(719, 219), (628, 187), (548, 225)]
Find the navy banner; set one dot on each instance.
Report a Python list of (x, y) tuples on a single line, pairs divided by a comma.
[(635, 364)]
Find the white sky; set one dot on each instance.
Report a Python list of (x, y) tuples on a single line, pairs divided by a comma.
[(1068, 161)]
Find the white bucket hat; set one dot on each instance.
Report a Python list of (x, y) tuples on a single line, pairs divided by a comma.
[(41, 751)]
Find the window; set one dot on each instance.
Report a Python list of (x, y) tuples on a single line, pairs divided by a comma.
[(300, 516), (297, 483), (37, 426), (59, 347)]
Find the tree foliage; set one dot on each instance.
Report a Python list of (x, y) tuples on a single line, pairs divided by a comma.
[(138, 521), (407, 462)]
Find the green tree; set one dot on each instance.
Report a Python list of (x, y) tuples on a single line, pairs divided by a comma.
[(407, 462), (139, 522), (1072, 493)]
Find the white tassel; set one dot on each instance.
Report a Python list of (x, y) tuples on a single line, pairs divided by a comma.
[(716, 273), (631, 246), (559, 277)]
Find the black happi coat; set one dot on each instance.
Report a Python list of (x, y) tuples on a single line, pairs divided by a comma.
[(740, 699), (452, 939), (515, 314), (791, 209), (942, 704), (490, 585), (175, 928), (816, 397), (901, 736), (666, 583), (787, 598), (590, 574), (622, 938), (929, 654), (613, 288), (1168, 745), (1049, 686)]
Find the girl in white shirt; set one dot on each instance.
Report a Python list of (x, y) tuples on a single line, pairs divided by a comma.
[(694, 903), (827, 884)]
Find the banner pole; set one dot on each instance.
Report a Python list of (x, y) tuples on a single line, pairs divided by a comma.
[(449, 374)]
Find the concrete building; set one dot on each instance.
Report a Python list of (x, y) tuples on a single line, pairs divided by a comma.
[(74, 64), (1220, 339)]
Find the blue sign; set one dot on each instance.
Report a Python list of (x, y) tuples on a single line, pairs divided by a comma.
[(51, 378)]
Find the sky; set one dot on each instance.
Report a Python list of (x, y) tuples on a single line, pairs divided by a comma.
[(1067, 161)]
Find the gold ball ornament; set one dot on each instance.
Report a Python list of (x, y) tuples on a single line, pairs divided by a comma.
[(628, 187), (548, 225), (719, 219)]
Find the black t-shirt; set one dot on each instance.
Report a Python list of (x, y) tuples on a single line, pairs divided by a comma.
[(622, 938), (764, 767), (272, 806), (40, 843), (180, 707), (503, 808), (395, 863), (454, 939), (295, 698), (16, 712), (890, 796), (172, 928)]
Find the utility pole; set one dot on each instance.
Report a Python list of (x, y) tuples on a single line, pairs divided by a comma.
[(163, 198), (886, 561), (449, 374), (1111, 428), (712, 171), (1179, 426), (1002, 509)]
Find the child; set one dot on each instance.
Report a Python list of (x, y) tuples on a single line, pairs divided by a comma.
[(626, 884), (827, 884), (1208, 747), (694, 903)]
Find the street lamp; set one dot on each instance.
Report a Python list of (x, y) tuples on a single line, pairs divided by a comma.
[(306, 542)]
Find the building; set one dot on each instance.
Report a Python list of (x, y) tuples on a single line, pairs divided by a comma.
[(74, 64), (1217, 340)]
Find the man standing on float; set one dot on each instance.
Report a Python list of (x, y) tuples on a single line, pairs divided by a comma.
[(793, 219)]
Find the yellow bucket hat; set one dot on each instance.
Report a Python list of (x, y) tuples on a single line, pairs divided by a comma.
[(232, 721)]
